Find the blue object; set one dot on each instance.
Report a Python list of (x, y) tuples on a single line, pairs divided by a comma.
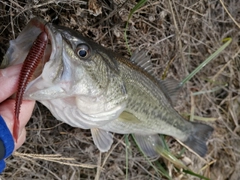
[(6, 143)]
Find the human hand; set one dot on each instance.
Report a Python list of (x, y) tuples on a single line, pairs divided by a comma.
[(8, 86)]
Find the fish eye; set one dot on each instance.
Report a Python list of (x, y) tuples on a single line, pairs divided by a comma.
[(83, 51)]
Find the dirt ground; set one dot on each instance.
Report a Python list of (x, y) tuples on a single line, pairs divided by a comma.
[(184, 32)]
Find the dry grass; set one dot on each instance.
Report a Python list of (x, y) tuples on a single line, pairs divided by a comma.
[(186, 33)]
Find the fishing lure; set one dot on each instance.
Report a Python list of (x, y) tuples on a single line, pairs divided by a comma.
[(29, 66)]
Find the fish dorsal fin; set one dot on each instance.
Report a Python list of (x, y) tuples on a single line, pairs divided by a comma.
[(102, 139), (171, 87), (143, 60)]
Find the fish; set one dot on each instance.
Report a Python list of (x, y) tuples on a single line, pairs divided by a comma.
[(91, 87)]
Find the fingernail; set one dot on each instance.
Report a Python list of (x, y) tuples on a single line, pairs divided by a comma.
[(10, 71)]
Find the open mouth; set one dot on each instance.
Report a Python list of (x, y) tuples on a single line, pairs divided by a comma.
[(38, 51), (43, 42)]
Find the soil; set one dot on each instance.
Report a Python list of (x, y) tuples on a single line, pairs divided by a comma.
[(178, 35)]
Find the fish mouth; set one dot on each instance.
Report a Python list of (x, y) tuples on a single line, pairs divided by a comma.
[(38, 24)]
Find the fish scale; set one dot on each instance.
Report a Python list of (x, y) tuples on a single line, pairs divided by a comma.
[(152, 109), (98, 89)]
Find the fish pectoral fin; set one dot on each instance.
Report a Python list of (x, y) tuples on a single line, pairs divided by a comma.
[(148, 144), (128, 117), (102, 139)]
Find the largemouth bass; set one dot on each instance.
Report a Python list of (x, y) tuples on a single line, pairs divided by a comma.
[(88, 86)]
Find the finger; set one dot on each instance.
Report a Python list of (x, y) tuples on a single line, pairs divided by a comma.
[(9, 81), (7, 112), (25, 113)]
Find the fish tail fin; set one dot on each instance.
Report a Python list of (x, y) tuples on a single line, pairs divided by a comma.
[(198, 138)]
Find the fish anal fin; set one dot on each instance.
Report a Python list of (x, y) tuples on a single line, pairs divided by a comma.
[(197, 139), (148, 144), (102, 139)]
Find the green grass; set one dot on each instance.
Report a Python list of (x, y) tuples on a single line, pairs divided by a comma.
[(204, 63), (136, 7), (164, 152)]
